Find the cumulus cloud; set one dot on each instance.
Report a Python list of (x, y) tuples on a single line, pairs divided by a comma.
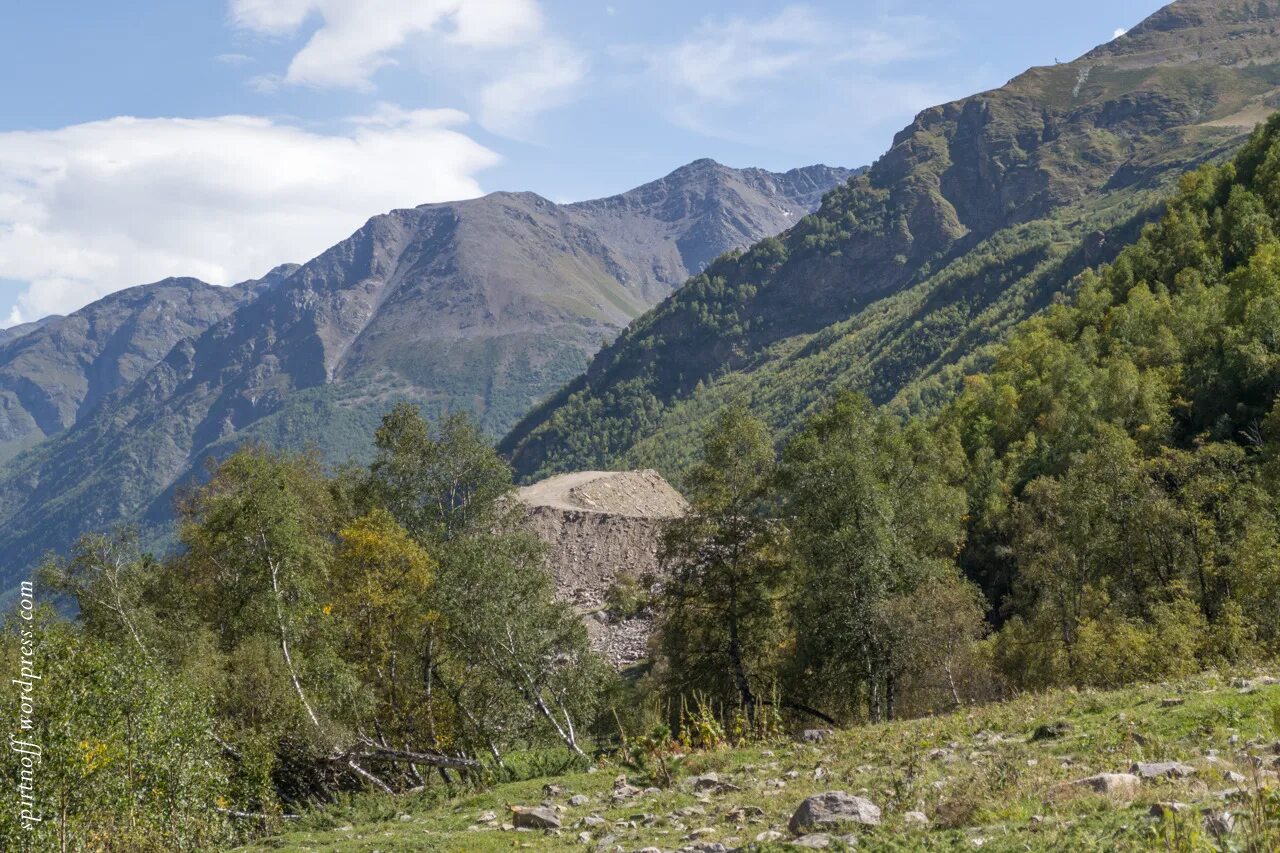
[(90, 208), (523, 68), (1119, 32)]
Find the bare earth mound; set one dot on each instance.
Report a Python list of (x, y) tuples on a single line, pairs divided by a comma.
[(601, 525)]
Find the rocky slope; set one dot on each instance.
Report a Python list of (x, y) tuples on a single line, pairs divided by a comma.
[(1190, 765), (486, 305), (602, 526), (981, 211)]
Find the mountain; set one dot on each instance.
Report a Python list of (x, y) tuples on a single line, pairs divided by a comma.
[(14, 332), (486, 305), (981, 213), (54, 371)]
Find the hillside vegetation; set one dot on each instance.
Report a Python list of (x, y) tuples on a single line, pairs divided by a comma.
[(1003, 777), (981, 213)]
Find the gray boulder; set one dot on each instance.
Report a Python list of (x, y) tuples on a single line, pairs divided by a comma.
[(538, 817), (832, 810), (1162, 770)]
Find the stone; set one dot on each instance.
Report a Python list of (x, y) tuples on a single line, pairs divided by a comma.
[(592, 820), (711, 783), (744, 813), (404, 818), (915, 819), (816, 841), (834, 808), (940, 754), (552, 790), (579, 800), (1112, 784), (1050, 731), (538, 817), (1161, 809), (1172, 702), (769, 835), (1162, 770), (817, 735), (486, 817), (584, 838), (1218, 823), (1234, 777)]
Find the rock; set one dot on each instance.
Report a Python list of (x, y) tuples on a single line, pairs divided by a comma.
[(1050, 731), (486, 817), (1163, 770), (1161, 809), (404, 818), (579, 800), (592, 820), (915, 819), (552, 790), (817, 735), (940, 754), (538, 817), (1172, 702), (816, 841), (584, 838), (769, 835), (1112, 784), (1218, 823), (1234, 777), (834, 808), (744, 813), (623, 791), (711, 783)]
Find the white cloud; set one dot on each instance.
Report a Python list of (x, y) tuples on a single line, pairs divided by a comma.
[(88, 209), (542, 80), (736, 78), (1119, 32), (514, 68), (725, 60)]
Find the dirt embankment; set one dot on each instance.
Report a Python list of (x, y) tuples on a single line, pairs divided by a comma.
[(601, 525)]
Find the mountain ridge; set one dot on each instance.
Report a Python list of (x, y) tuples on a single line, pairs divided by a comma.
[(979, 213), (483, 305)]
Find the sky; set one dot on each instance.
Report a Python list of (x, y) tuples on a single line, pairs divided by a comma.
[(141, 139)]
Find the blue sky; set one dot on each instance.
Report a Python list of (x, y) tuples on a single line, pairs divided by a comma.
[(216, 138)]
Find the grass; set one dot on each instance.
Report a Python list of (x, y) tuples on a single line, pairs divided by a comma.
[(992, 787)]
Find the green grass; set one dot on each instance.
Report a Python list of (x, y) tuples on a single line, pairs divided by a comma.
[(999, 790)]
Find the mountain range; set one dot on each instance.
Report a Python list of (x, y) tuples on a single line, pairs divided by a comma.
[(486, 305), (983, 211)]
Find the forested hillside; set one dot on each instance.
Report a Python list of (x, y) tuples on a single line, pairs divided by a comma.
[(979, 215)]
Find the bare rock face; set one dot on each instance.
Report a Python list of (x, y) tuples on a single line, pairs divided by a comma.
[(602, 526)]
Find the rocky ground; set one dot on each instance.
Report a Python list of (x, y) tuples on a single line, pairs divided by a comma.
[(1185, 766)]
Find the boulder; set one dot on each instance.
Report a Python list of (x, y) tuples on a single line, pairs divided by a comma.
[(816, 841), (1162, 770), (834, 809), (817, 735), (711, 783), (538, 817), (1112, 784)]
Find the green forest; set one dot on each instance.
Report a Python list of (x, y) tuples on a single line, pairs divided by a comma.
[(1097, 509)]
